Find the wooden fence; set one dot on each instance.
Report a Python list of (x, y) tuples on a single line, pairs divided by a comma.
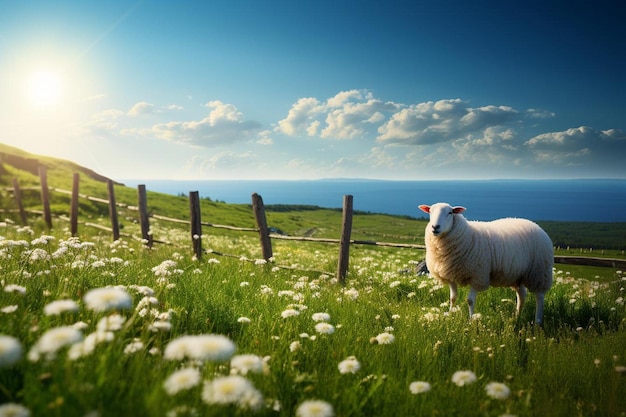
[(196, 224)]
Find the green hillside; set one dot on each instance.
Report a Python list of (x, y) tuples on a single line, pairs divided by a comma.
[(310, 221)]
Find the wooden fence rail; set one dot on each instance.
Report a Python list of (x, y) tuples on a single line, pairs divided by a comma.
[(195, 222)]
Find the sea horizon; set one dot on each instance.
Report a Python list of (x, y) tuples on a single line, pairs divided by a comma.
[(584, 199)]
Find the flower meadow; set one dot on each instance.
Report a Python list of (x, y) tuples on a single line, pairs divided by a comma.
[(90, 327)]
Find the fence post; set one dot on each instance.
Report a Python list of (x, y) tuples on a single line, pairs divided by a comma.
[(344, 243), (74, 206), (45, 197), (261, 222), (115, 226), (144, 218), (196, 223), (18, 200)]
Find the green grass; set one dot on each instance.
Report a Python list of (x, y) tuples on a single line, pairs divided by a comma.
[(566, 368)]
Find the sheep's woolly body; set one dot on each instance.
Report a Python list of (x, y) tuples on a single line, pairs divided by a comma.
[(514, 253), (501, 253)]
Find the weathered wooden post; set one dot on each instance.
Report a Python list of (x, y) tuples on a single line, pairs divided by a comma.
[(115, 226), (196, 223), (261, 222), (74, 205), (344, 242), (144, 218), (18, 200), (45, 197)]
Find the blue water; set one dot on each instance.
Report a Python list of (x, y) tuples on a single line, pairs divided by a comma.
[(566, 200)]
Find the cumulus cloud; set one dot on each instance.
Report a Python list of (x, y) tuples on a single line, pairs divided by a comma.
[(577, 145), (366, 136), (347, 115), (301, 117), (442, 121), (224, 124)]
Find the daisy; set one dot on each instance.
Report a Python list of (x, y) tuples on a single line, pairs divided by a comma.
[(10, 350), (160, 326), (103, 299), (15, 288), (135, 346), (462, 378), (419, 387), (294, 346), (53, 340), (242, 364), (320, 317), (290, 312), (88, 345), (14, 410), (182, 379), (110, 323), (497, 391), (385, 338), (324, 328), (60, 306), (315, 408), (232, 389), (350, 365), (211, 347), (9, 309)]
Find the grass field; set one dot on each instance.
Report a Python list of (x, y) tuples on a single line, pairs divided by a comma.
[(385, 344), (92, 327)]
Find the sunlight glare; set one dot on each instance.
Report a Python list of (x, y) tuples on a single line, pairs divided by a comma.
[(45, 88)]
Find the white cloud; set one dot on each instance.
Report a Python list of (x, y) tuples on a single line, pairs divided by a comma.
[(300, 117), (264, 138), (224, 124), (365, 136), (347, 115), (442, 121), (142, 108), (539, 114), (349, 120), (579, 145)]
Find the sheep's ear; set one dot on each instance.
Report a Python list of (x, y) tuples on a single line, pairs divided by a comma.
[(458, 209), (424, 208)]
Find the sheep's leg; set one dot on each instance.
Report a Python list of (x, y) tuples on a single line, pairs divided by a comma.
[(539, 296), (471, 301), (521, 297), (453, 294)]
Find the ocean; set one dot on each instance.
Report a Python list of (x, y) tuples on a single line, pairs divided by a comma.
[(589, 200)]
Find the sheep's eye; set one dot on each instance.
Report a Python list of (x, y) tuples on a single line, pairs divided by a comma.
[(450, 213)]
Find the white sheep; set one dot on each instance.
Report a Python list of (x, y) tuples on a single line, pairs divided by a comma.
[(510, 252)]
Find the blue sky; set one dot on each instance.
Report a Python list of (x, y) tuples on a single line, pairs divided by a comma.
[(283, 89)]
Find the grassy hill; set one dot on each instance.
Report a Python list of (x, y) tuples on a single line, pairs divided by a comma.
[(311, 221)]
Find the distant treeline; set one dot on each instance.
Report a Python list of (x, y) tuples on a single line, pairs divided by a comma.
[(285, 208), (586, 234)]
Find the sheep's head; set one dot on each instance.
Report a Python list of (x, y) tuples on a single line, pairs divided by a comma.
[(441, 217)]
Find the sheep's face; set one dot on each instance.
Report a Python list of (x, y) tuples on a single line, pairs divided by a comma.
[(441, 217)]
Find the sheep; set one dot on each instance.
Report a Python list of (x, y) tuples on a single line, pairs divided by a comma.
[(509, 252)]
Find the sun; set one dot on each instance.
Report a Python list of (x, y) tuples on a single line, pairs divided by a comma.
[(44, 88)]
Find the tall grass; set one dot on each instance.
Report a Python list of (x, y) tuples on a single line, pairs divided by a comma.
[(394, 324)]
